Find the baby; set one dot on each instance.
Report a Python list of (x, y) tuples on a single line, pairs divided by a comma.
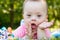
[(35, 24)]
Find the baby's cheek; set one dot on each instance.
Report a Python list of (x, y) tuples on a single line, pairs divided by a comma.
[(39, 21), (42, 19)]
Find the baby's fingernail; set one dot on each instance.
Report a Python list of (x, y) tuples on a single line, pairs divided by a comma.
[(52, 21)]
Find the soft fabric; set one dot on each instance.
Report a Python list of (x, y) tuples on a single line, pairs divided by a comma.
[(20, 31), (47, 32)]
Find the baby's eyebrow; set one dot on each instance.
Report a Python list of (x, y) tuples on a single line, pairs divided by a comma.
[(29, 12), (38, 13)]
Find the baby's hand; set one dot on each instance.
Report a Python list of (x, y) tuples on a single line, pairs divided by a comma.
[(46, 24)]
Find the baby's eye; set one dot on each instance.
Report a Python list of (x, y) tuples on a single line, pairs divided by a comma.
[(38, 15), (29, 15)]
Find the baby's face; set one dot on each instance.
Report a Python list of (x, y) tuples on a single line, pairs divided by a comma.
[(34, 13)]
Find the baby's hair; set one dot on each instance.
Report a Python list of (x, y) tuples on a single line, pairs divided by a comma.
[(35, 0), (32, 0)]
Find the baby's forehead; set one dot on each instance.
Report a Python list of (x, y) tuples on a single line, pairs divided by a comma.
[(34, 6)]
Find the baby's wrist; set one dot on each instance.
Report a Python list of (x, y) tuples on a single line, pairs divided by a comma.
[(44, 28)]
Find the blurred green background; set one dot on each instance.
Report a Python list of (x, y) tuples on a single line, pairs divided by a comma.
[(11, 12)]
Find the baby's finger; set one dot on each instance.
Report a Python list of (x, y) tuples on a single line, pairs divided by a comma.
[(51, 22)]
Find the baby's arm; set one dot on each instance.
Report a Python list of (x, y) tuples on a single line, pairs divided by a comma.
[(45, 26), (20, 31)]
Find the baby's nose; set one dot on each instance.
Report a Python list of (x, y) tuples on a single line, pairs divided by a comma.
[(33, 19)]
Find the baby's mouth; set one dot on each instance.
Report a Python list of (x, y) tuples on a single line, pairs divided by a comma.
[(33, 26), (34, 30)]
